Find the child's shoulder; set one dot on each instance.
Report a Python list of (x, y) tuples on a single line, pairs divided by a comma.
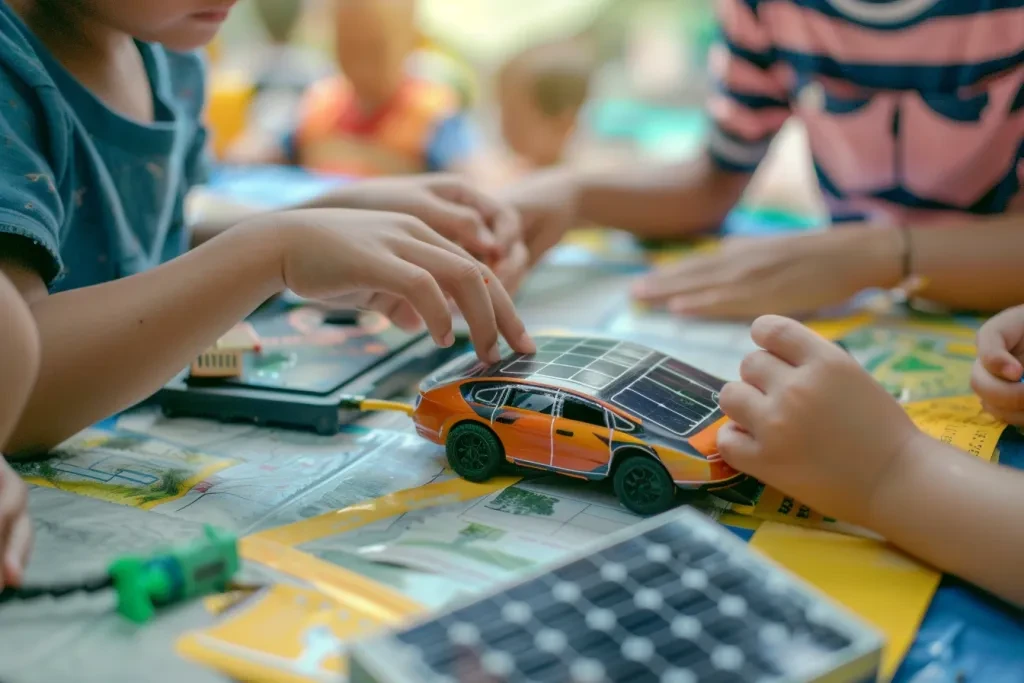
[(184, 74), (20, 60)]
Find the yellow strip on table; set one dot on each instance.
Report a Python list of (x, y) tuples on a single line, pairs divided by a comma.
[(391, 505), (883, 586), (287, 634)]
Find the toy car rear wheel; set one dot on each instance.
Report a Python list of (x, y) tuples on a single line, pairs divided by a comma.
[(474, 452), (643, 486)]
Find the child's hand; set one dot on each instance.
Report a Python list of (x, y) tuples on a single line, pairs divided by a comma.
[(809, 421), (546, 202), (788, 275), (997, 372), (395, 264), (15, 526), (472, 219)]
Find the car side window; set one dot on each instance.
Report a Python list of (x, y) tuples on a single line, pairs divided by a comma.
[(488, 396), (485, 393), (582, 411), (534, 401), (621, 424)]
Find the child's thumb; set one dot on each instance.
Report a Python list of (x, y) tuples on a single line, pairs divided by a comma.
[(994, 354)]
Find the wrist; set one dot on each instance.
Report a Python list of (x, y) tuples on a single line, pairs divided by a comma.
[(913, 465), (881, 251), (264, 242)]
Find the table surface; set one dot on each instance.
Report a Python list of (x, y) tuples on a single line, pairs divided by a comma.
[(964, 637)]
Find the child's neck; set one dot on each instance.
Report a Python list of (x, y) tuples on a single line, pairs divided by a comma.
[(104, 60)]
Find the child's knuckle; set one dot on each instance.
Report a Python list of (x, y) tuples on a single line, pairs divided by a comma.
[(467, 273), (419, 282)]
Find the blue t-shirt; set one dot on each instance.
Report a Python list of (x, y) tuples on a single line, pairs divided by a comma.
[(91, 195)]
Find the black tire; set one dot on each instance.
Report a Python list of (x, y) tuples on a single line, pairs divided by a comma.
[(474, 452), (643, 486)]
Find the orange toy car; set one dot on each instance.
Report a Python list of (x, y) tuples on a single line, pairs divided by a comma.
[(589, 408)]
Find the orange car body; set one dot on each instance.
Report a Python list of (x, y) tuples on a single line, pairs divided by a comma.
[(579, 404)]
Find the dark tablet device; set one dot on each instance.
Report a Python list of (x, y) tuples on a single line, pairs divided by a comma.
[(309, 361)]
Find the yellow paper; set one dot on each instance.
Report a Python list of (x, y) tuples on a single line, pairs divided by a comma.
[(882, 585), (839, 327), (392, 505), (286, 634), (960, 422), (356, 592)]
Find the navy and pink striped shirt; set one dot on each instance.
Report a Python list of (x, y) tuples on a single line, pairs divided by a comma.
[(914, 108)]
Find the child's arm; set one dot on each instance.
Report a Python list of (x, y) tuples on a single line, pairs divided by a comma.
[(966, 266), (488, 228), (19, 362), (748, 107), (107, 346), (809, 421)]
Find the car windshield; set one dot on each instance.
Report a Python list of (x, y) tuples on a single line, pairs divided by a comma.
[(459, 368)]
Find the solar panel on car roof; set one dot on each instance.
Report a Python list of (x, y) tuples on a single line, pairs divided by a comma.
[(674, 600), (667, 396), (590, 363)]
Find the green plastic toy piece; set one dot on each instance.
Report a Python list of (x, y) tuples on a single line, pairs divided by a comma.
[(173, 575)]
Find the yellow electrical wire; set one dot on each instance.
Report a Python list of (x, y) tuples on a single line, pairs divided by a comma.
[(371, 404)]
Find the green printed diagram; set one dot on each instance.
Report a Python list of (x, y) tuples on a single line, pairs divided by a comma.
[(123, 468), (913, 365), (520, 501)]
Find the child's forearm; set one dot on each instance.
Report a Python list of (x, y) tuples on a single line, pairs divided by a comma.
[(19, 357), (972, 266), (660, 202), (108, 346), (958, 513)]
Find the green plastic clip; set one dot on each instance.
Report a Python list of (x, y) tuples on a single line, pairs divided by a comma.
[(174, 575)]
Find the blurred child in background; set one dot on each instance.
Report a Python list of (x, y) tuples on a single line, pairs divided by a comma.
[(19, 361), (100, 105), (808, 420), (915, 116), (376, 117), (541, 93)]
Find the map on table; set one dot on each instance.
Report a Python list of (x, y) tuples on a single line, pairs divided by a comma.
[(123, 468), (240, 478), (436, 554), (913, 364)]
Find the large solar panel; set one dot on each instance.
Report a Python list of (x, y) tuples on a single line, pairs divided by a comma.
[(589, 362), (677, 599), (670, 396)]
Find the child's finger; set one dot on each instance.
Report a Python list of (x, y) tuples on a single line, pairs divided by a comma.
[(397, 310), (743, 404), (737, 447), (787, 339), (690, 276), (731, 300), (510, 324), (513, 268), (1010, 417), (19, 547), (1000, 394), (418, 286), (995, 339), (463, 278), (459, 224), (504, 221), (13, 495), (763, 370)]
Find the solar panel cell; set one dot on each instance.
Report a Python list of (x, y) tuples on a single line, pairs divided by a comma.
[(619, 625)]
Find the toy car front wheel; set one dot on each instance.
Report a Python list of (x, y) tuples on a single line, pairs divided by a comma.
[(474, 452), (643, 486)]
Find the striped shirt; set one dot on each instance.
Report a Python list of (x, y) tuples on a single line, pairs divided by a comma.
[(914, 108)]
